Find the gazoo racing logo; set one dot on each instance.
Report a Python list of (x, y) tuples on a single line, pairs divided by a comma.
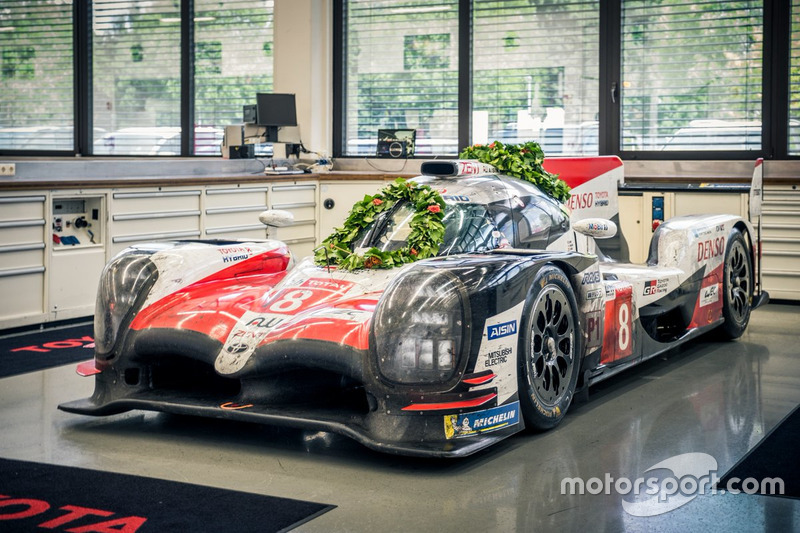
[(502, 330), (655, 286)]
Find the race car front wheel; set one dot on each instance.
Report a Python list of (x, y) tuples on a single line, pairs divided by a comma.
[(549, 351), (737, 286)]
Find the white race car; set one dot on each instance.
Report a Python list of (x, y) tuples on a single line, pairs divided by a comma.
[(522, 303)]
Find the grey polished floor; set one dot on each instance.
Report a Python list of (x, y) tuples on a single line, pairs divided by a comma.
[(714, 398)]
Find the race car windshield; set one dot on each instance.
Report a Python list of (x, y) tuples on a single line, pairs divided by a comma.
[(468, 229)]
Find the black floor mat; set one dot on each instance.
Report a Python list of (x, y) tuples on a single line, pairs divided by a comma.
[(774, 457), (45, 348), (42, 497)]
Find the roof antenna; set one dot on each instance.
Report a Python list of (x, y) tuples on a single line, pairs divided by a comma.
[(327, 264)]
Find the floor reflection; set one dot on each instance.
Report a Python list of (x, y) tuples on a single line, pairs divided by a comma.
[(708, 398)]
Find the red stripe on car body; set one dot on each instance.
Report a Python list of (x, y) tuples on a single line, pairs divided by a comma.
[(460, 404)]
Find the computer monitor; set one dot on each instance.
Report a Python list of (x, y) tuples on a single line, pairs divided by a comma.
[(274, 110), (396, 143)]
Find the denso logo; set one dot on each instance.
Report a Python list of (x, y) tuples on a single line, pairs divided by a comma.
[(502, 330), (581, 201), (710, 248)]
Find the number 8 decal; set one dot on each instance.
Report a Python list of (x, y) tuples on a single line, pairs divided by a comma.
[(624, 333), (291, 301), (618, 338)]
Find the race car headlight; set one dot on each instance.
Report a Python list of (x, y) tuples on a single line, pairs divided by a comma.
[(419, 327), (124, 284)]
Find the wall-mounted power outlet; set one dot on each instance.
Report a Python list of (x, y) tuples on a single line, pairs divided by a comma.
[(7, 169)]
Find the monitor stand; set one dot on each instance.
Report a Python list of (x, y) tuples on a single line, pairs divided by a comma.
[(271, 135)]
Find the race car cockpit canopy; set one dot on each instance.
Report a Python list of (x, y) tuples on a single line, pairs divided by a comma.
[(518, 207)]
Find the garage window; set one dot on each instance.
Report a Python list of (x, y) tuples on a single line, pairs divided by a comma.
[(137, 80), (401, 72), (136, 77), (794, 83), (691, 75), (535, 74), (36, 80), (233, 62)]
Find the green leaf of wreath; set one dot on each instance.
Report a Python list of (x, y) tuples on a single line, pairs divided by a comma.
[(427, 229), (522, 161)]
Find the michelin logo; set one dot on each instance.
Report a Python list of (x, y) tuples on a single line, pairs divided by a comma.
[(502, 330), (470, 424)]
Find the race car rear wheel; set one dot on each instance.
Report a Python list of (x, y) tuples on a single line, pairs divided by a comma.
[(549, 354), (737, 286)]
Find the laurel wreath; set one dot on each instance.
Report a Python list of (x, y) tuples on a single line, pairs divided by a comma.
[(427, 229), (522, 161)]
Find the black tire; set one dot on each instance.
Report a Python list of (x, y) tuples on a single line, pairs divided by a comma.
[(737, 286), (549, 350)]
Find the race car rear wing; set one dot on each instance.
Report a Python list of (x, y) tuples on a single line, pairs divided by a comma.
[(756, 196), (756, 190)]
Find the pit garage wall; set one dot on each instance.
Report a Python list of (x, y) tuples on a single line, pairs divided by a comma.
[(47, 276)]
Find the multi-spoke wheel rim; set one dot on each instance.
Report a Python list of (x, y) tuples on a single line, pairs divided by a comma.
[(739, 285), (552, 350)]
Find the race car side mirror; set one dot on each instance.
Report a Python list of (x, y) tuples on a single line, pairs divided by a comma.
[(276, 218), (599, 228)]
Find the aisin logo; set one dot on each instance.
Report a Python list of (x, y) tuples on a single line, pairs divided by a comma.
[(502, 330)]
